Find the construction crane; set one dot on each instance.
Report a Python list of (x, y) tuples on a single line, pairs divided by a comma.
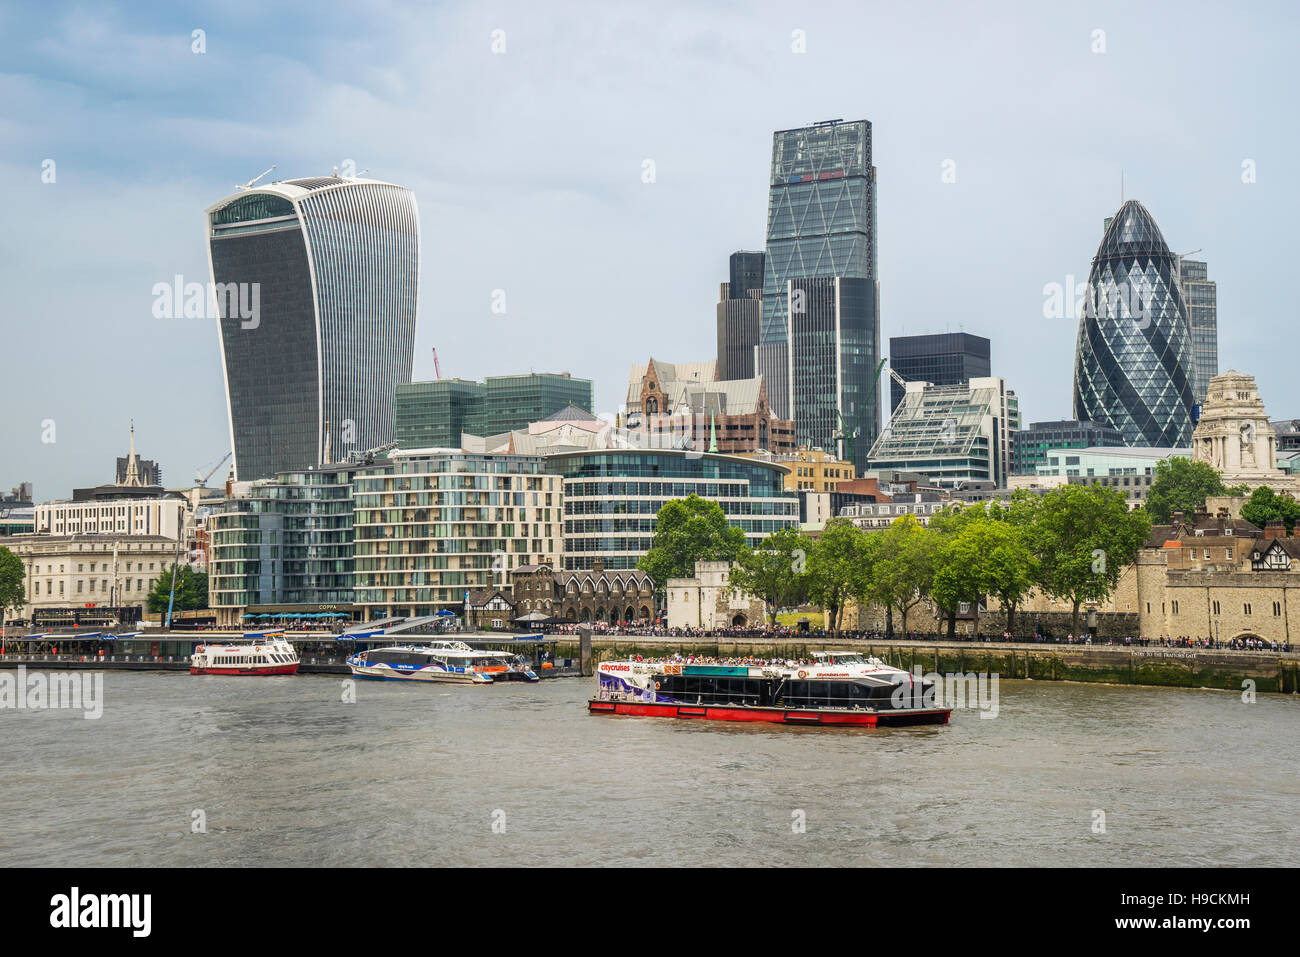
[(201, 478), (368, 456), (253, 181), (436, 367)]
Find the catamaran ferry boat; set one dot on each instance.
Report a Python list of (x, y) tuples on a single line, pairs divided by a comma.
[(257, 656), (446, 661), (839, 688)]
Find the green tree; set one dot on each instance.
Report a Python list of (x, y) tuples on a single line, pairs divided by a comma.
[(775, 572), (688, 530), (988, 556), (904, 567), (1083, 537), (1181, 485), (191, 590), (1265, 505), (13, 595), (839, 567)]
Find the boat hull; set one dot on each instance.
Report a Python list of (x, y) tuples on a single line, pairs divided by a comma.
[(427, 675), (279, 669), (870, 719)]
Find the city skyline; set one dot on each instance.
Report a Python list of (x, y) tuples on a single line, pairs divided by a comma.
[(516, 206)]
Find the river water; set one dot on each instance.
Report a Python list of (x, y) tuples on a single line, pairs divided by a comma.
[(283, 771)]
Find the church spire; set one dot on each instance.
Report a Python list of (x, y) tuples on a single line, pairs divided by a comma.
[(132, 463)]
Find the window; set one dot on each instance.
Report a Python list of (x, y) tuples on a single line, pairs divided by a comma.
[(1216, 607), (1246, 608), (1277, 609)]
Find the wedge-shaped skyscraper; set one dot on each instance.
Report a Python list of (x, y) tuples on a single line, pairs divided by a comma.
[(1134, 368), (316, 283)]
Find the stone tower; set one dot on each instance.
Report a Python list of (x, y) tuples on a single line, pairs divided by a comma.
[(1234, 435)]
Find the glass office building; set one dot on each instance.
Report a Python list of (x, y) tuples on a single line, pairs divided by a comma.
[(612, 498), (433, 415), (946, 358), (740, 313), (1201, 295), (1134, 365), (831, 348), (315, 282), (1029, 447), (821, 223)]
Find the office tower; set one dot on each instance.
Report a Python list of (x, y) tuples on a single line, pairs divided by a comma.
[(831, 346), (433, 415), (821, 223), (1200, 295), (1134, 367), (740, 313), (951, 434), (946, 358), (1029, 447), (315, 284)]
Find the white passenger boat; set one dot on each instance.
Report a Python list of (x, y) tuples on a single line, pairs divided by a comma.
[(446, 661), (257, 656)]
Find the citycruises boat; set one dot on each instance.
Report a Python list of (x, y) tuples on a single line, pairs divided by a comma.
[(263, 655), (447, 661), (839, 688)]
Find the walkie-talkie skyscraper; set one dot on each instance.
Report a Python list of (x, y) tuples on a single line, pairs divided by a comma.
[(316, 285)]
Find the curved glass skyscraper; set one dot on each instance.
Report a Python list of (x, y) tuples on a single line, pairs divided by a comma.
[(316, 283), (1133, 368)]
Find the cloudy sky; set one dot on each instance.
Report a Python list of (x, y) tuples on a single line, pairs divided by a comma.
[(527, 168)]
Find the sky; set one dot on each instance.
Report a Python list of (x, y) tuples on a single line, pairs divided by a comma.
[(524, 130)]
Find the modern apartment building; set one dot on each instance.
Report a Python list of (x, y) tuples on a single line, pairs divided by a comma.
[(433, 524)]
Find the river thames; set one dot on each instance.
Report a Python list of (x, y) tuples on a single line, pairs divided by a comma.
[(282, 771)]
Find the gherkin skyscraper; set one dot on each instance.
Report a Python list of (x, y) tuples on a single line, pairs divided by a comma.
[(1134, 368)]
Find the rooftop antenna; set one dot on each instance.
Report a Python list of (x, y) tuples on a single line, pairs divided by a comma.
[(253, 181)]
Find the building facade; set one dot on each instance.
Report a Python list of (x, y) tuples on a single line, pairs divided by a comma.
[(280, 543), (832, 343), (707, 602), (1235, 437), (950, 434), (1200, 293), (685, 405), (165, 516), (821, 222), (315, 283), (946, 358), (1134, 367), (433, 524), (612, 499), (1029, 447), (613, 596), (431, 415), (94, 579), (740, 313)]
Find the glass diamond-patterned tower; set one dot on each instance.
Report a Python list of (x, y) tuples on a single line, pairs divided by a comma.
[(1134, 368), (821, 224)]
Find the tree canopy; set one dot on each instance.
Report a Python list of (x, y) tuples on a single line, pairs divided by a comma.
[(13, 595), (191, 590), (1181, 485), (776, 572), (688, 530), (1265, 505)]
